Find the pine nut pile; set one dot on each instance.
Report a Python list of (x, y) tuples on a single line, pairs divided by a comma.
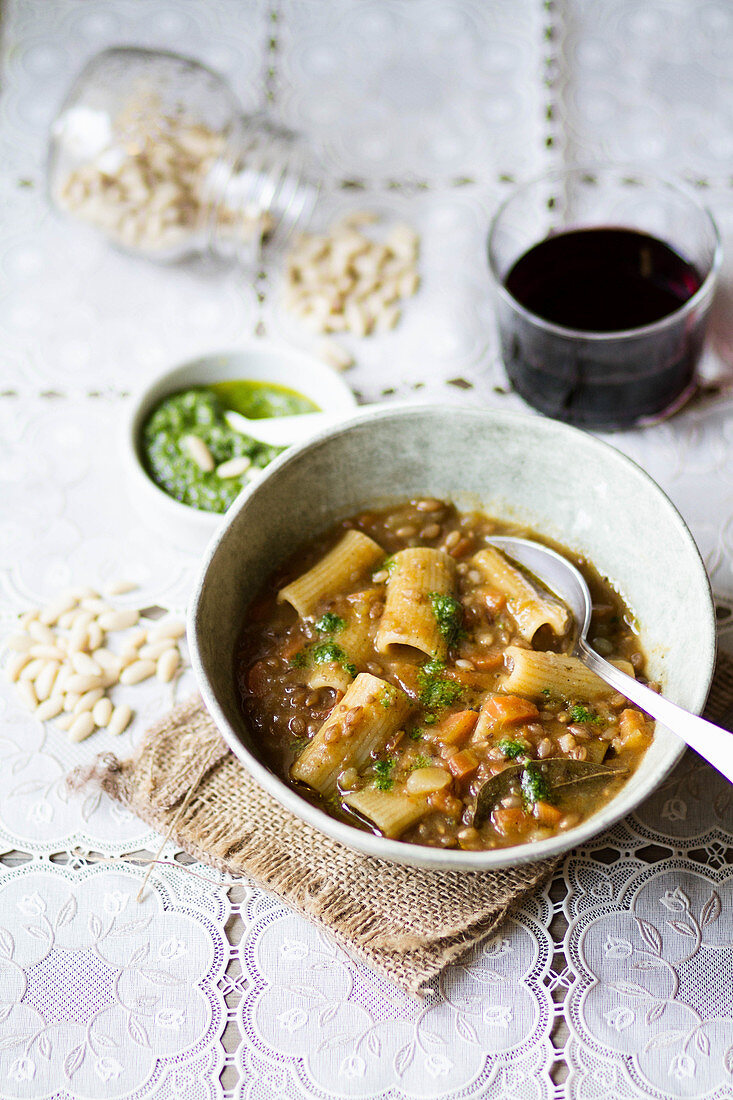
[(343, 281), (149, 190), (62, 666)]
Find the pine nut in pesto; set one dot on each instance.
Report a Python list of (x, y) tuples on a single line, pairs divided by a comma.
[(200, 412)]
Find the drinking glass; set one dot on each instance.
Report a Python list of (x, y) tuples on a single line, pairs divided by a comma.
[(603, 380)]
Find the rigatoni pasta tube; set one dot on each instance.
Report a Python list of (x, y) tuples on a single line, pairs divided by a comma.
[(330, 675), (529, 608), (392, 813), (539, 674), (352, 556), (361, 724), (355, 640), (408, 617)]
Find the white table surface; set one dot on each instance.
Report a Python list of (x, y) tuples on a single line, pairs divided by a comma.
[(616, 982)]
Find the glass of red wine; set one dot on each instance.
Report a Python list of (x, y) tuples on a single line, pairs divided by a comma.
[(604, 280)]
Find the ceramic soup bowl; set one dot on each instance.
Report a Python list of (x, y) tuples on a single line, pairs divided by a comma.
[(553, 478)]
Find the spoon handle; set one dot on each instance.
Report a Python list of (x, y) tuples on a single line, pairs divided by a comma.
[(712, 742), (281, 431)]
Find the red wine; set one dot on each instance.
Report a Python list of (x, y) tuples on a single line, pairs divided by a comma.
[(603, 282)]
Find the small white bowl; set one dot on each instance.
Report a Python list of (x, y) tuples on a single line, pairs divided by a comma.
[(260, 361)]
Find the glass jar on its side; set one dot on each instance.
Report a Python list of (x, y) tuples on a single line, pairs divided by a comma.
[(152, 149)]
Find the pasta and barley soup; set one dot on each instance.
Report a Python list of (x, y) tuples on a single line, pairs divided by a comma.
[(408, 678)]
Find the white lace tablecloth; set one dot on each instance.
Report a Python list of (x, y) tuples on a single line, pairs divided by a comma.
[(616, 982)]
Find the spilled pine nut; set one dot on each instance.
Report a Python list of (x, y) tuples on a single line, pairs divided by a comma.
[(95, 635), (153, 650), (120, 588), (102, 711), (119, 620), (167, 664), (137, 671), (44, 682), (41, 633), (120, 720), (88, 700), (81, 727), (47, 652), (84, 682), (53, 611), (33, 668), (15, 666), (85, 665), (106, 659), (167, 628), (28, 694), (50, 708)]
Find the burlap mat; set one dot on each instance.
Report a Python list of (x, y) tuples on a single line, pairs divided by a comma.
[(406, 923)]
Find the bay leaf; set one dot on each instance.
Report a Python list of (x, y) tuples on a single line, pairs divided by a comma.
[(560, 775)]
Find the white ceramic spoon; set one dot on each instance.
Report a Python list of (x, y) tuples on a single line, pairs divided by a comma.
[(281, 431), (712, 743)]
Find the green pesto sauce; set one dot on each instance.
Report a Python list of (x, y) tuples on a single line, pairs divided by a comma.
[(257, 400), (201, 412)]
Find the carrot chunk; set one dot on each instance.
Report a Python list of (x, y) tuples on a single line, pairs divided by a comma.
[(505, 710), (487, 662), (494, 601), (546, 814), (462, 763), (294, 643), (633, 730), (508, 821), (457, 728)]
